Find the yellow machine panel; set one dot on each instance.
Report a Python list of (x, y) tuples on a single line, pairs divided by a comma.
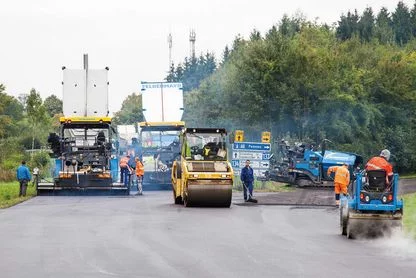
[(85, 119)]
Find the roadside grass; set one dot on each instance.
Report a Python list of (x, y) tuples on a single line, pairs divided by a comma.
[(409, 214), (408, 176), (265, 186), (9, 194)]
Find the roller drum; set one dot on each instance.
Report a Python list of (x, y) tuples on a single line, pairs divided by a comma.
[(215, 193), (383, 225)]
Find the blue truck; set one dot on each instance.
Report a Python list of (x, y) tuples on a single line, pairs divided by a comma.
[(372, 206), (304, 166)]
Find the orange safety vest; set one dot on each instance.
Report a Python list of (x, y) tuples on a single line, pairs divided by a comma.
[(342, 174), (379, 163), (139, 169), (124, 162)]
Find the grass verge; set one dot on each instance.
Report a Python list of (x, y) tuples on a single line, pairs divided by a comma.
[(408, 176), (9, 194), (409, 214), (265, 186)]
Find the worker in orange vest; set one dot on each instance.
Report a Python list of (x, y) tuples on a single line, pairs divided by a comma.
[(125, 170), (139, 174), (341, 181), (381, 162)]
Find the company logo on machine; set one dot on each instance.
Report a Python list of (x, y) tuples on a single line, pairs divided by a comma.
[(158, 85)]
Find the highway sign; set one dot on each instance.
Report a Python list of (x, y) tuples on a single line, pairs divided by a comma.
[(265, 137), (247, 155), (239, 136), (264, 164), (249, 146), (265, 156), (257, 153)]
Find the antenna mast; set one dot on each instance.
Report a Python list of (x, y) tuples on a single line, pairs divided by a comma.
[(192, 39), (170, 49)]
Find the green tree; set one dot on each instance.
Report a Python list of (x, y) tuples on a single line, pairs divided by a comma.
[(366, 25), (383, 30), (53, 105), (11, 112), (225, 55), (131, 111), (413, 19), (37, 114), (348, 26), (402, 26)]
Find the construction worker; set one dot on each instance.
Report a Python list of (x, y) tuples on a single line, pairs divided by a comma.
[(125, 170), (247, 177), (23, 176), (139, 174), (341, 181), (381, 162)]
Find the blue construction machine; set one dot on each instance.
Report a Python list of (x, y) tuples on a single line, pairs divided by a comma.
[(303, 165), (372, 206)]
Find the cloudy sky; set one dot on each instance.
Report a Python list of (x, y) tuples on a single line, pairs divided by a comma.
[(130, 36)]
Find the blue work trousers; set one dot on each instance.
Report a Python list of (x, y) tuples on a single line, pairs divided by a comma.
[(248, 186), (124, 175)]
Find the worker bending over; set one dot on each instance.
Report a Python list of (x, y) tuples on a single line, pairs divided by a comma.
[(341, 181)]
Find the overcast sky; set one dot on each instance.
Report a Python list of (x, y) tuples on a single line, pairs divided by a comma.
[(130, 36)]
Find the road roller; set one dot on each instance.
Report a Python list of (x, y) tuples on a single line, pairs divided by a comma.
[(372, 207), (202, 176)]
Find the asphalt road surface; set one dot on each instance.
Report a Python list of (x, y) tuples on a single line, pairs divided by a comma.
[(147, 236)]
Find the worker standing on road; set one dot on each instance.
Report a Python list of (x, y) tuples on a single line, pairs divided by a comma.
[(125, 170), (247, 177), (139, 174), (341, 181), (23, 176), (381, 162)]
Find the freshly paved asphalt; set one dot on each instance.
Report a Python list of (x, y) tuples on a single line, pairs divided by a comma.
[(148, 236)]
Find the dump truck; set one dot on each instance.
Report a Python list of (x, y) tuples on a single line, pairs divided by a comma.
[(159, 148), (85, 149), (372, 206), (202, 175), (303, 165)]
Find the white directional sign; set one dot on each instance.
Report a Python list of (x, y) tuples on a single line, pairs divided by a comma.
[(257, 153), (247, 155)]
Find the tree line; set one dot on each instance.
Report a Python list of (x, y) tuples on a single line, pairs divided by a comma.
[(25, 124), (397, 27), (354, 84)]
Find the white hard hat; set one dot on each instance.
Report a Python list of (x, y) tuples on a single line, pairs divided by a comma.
[(385, 153)]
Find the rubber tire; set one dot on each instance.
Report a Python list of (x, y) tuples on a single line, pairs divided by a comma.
[(185, 200), (343, 223), (350, 234)]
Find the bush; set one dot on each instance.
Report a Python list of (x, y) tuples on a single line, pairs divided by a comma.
[(42, 161), (6, 174)]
